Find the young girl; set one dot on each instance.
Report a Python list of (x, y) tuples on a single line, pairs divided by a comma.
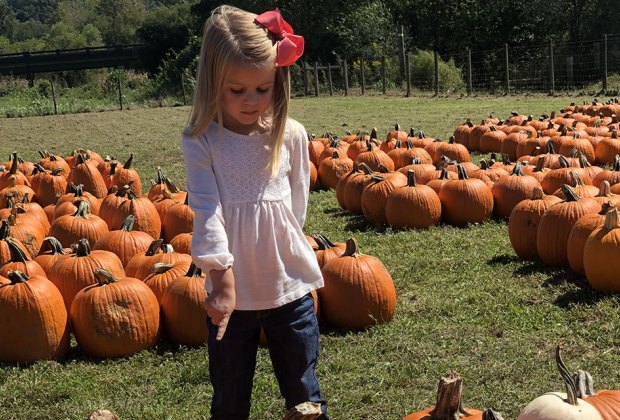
[(248, 181)]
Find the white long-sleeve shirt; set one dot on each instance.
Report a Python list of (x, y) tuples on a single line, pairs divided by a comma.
[(248, 220)]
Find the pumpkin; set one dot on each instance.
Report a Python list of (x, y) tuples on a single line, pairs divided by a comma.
[(354, 187), (579, 234), (374, 156), (600, 252), (163, 274), (115, 317), (510, 190), (487, 173), (449, 402), (5, 252), (523, 222), (126, 175), (560, 405), (13, 175), (20, 261), (413, 205), (51, 162), (33, 319), (183, 310), (111, 202), (76, 192), (440, 178), (49, 186), (146, 217), (452, 150), (141, 264), (315, 148), (82, 224), (16, 192), (375, 194), (555, 225), (465, 200), (611, 175), (125, 242), (333, 168), (326, 250), (182, 243), (85, 172), (179, 218), (555, 178), (51, 251), (424, 172), (27, 229), (358, 292), (491, 141), (607, 149), (462, 132), (76, 271)]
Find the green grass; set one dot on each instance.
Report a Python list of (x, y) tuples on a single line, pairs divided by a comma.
[(466, 303)]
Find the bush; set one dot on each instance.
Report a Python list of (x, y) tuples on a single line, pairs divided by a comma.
[(423, 73)]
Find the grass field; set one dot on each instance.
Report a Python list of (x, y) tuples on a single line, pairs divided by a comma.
[(466, 303)]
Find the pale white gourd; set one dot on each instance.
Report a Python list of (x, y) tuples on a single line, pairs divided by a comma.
[(560, 405)]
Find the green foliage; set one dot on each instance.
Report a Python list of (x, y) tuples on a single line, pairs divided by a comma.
[(77, 13), (422, 65), (39, 10), (118, 20), (29, 29), (165, 31)]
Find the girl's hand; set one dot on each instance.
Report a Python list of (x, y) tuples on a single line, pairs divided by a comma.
[(221, 301)]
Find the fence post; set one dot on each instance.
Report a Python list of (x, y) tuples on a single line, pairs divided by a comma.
[(407, 73), (383, 75), (401, 53), (551, 70), (183, 88), (362, 75), (604, 62), (345, 73), (507, 70), (305, 77), (54, 97), (436, 60), (329, 78), (469, 84), (120, 93), (316, 78)]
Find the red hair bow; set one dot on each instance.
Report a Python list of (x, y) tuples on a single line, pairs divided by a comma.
[(289, 46)]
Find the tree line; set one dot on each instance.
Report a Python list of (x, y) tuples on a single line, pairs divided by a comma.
[(334, 30)]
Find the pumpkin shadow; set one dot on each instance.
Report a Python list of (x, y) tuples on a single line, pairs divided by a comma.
[(503, 259)]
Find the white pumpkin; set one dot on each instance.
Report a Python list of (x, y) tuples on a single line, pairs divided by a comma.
[(555, 406), (560, 405)]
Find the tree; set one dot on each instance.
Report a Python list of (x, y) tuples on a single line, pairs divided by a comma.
[(39, 10), (77, 13), (119, 19), (165, 31)]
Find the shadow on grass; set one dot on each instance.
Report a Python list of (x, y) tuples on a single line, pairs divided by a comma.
[(580, 292), (354, 222)]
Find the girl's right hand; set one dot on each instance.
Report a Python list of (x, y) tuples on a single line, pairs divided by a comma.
[(221, 301)]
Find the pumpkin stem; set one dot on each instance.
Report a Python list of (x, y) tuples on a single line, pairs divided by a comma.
[(538, 193), (584, 384), (14, 163), (604, 189), (462, 172), (518, 169), (160, 268), (322, 241), (17, 276), (52, 244), (570, 193), (127, 164), (611, 219), (193, 271), (154, 247), (571, 389), (128, 223), (411, 178), (83, 248), (352, 249), (5, 230), (449, 403), (17, 254), (104, 277), (490, 414), (83, 209)]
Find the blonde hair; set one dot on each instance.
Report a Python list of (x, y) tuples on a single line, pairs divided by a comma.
[(231, 36)]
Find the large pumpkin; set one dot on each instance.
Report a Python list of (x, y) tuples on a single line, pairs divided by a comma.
[(358, 292), (465, 200), (600, 255), (413, 205), (33, 319), (116, 317)]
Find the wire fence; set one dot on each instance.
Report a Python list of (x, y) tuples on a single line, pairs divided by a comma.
[(508, 70)]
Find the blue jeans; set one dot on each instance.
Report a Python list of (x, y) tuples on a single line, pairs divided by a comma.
[(293, 335)]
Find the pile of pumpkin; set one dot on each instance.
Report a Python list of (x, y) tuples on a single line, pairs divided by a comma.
[(580, 401), (82, 250)]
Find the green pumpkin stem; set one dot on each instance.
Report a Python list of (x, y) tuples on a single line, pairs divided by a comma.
[(83, 209), (571, 388)]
